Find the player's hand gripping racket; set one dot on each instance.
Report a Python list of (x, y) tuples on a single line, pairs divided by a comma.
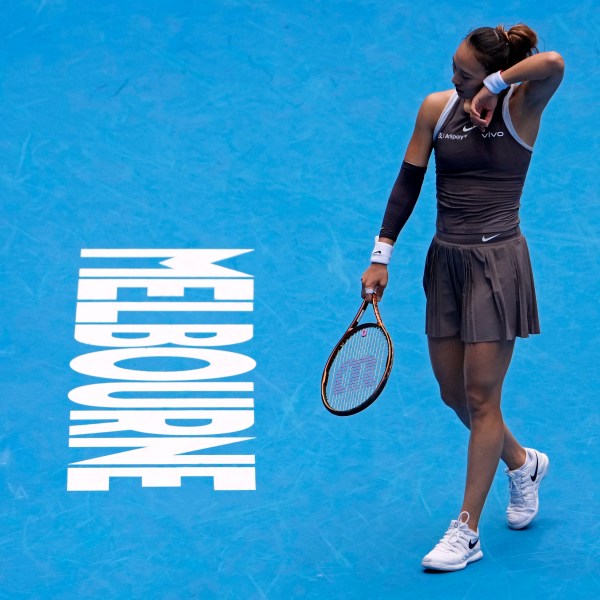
[(359, 366)]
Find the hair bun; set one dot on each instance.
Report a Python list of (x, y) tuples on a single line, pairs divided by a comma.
[(502, 33), (495, 48), (522, 41)]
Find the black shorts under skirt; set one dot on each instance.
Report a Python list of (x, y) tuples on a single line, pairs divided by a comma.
[(483, 292)]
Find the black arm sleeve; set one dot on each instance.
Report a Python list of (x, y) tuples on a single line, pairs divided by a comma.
[(402, 200)]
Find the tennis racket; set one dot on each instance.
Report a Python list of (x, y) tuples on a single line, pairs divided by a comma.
[(359, 366)]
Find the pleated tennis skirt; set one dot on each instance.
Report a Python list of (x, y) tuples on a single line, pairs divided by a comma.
[(482, 292)]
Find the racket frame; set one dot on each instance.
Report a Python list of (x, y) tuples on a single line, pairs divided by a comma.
[(352, 329)]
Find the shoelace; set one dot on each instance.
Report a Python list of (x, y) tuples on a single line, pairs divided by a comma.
[(518, 489), (453, 534)]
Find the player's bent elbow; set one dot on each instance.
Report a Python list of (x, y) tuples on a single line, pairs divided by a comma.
[(556, 63)]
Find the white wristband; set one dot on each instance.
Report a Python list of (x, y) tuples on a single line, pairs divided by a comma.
[(382, 252), (495, 83)]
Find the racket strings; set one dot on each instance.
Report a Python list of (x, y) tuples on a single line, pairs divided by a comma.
[(357, 369)]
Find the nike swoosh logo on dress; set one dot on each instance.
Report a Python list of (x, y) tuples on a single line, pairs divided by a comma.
[(487, 239)]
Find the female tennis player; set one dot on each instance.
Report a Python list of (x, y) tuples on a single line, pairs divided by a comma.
[(478, 280)]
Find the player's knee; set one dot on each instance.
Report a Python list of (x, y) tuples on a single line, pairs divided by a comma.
[(481, 399), (454, 399)]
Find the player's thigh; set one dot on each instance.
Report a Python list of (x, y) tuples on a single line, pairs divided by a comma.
[(447, 361), (485, 367)]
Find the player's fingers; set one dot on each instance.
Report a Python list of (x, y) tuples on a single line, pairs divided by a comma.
[(363, 291), (477, 120), (476, 116)]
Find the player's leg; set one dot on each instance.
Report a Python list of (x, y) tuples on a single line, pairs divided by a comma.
[(447, 360), (470, 378), (485, 367), (460, 545)]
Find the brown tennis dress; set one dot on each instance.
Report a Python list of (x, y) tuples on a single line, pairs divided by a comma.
[(478, 278)]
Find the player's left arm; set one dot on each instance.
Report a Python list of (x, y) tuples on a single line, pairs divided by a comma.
[(539, 77)]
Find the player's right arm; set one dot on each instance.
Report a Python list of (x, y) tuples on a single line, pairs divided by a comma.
[(404, 195), (421, 142)]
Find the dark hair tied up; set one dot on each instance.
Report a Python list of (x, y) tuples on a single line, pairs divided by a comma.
[(498, 49)]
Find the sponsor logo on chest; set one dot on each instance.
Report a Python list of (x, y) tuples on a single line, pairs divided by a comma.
[(458, 137)]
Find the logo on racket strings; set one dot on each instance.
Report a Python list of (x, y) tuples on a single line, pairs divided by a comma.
[(355, 374)]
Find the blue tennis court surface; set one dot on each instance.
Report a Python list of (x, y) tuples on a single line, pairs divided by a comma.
[(134, 130)]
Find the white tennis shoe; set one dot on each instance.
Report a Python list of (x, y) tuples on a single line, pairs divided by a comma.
[(523, 485), (459, 547)]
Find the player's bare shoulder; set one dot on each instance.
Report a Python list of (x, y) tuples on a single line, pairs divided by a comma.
[(434, 105), (421, 142)]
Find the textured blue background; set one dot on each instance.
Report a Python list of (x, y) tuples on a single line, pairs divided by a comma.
[(280, 126)]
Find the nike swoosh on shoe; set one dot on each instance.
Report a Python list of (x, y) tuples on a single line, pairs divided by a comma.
[(534, 476)]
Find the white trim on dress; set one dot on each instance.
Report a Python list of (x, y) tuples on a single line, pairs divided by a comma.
[(508, 121), (449, 105)]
